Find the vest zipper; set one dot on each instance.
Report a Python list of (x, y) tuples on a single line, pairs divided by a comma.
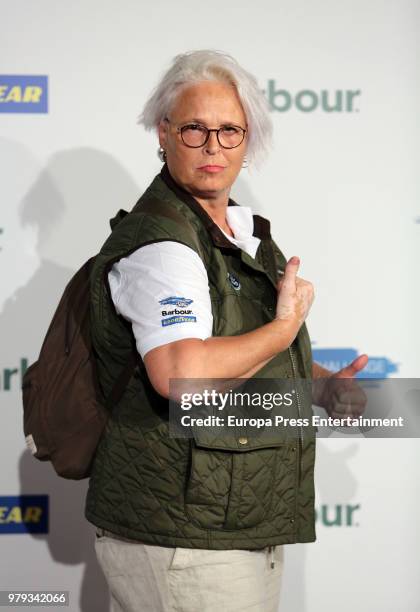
[(294, 370)]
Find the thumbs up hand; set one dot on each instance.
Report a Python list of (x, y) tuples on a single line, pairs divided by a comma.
[(340, 394)]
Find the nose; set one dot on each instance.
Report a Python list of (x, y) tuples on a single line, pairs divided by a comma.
[(212, 145)]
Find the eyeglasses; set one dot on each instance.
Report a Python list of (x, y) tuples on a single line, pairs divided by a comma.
[(195, 135)]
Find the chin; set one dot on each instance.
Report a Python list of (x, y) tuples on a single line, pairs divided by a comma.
[(211, 183), (219, 179)]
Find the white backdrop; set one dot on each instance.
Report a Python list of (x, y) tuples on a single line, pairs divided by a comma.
[(341, 191)]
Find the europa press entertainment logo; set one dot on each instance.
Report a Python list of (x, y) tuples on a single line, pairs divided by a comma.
[(23, 93), (309, 100), (335, 359)]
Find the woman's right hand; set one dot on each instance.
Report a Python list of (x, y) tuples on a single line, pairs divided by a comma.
[(295, 295)]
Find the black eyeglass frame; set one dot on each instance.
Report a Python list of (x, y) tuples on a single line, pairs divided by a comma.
[(209, 130)]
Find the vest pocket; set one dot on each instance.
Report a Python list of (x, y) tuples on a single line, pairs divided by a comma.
[(234, 490), (252, 485), (208, 487)]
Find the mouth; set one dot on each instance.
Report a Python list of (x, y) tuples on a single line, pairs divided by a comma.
[(211, 168)]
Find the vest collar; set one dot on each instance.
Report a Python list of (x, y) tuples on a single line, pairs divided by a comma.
[(261, 225)]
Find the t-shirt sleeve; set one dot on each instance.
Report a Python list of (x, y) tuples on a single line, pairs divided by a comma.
[(162, 288)]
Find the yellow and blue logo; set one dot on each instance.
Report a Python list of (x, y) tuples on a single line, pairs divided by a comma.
[(23, 93), (24, 514)]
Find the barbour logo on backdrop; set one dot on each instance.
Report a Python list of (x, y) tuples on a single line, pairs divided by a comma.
[(234, 281), (11, 378), (338, 515)]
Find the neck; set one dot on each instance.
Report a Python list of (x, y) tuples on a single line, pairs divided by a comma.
[(216, 209)]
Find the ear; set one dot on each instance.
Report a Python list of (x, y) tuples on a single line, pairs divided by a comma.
[(163, 133)]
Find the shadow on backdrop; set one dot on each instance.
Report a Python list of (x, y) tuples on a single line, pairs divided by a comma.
[(95, 185)]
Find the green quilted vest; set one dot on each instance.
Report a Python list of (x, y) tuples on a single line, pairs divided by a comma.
[(149, 486)]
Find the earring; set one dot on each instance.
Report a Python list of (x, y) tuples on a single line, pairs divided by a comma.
[(245, 163), (161, 153)]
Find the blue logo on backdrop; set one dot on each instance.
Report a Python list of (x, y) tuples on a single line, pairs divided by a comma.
[(335, 359), (176, 301), (24, 514), (23, 93)]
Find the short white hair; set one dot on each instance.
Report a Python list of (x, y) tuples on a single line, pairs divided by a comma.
[(208, 65)]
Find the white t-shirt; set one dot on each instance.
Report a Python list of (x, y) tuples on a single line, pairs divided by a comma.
[(162, 288)]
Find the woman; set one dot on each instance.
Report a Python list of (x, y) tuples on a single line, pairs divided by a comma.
[(184, 524)]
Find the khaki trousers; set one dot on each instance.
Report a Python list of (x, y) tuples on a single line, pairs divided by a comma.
[(145, 578)]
